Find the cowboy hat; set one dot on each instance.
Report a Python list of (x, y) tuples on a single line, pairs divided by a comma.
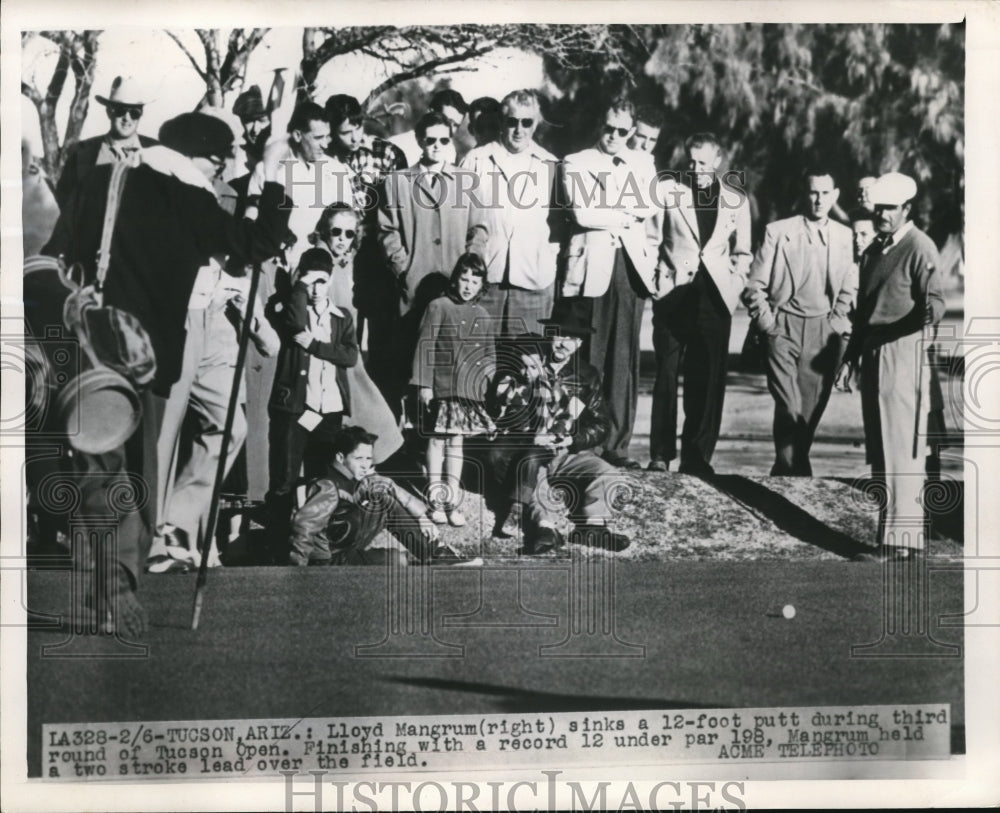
[(124, 92)]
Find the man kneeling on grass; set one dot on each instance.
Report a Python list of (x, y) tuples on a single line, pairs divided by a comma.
[(558, 399), (351, 515)]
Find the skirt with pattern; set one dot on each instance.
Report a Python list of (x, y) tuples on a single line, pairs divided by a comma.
[(457, 416)]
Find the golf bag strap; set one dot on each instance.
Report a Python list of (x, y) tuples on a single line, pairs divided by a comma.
[(119, 170)]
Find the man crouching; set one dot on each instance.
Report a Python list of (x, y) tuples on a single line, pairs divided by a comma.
[(350, 512), (560, 403)]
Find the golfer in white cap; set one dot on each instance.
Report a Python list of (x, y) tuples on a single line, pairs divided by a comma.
[(900, 299)]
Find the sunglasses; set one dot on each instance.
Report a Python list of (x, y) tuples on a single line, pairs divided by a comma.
[(336, 231), (430, 142), (526, 124), (621, 131), (116, 112)]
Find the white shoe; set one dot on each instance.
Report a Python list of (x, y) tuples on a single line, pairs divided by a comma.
[(455, 517), (437, 516)]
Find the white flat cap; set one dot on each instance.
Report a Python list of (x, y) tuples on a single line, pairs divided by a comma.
[(893, 189)]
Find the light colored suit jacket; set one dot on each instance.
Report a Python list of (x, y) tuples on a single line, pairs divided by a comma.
[(780, 265), (423, 230), (727, 253), (525, 221), (610, 205)]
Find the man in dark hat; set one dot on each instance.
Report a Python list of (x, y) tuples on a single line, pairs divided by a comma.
[(215, 311), (166, 225), (256, 121), (559, 402)]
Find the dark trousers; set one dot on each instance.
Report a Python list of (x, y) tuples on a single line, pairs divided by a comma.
[(514, 466), (691, 327), (362, 528), (614, 350), (291, 447), (376, 297)]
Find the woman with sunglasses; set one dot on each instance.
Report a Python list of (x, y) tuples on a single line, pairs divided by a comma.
[(338, 231)]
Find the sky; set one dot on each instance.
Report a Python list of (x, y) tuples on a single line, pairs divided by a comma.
[(174, 87)]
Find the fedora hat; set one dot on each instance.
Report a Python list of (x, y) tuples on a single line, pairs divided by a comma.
[(571, 317), (124, 91), (249, 105)]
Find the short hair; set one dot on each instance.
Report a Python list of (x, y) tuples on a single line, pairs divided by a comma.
[(523, 98), (621, 105), (692, 142), (305, 114), (818, 171), (326, 219), (859, 214), (348, 438), (315, 259), (484, 104), (650, 115), (448, 98), (340, 108), (428, 120)]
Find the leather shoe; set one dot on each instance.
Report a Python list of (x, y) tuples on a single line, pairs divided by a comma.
[(545, 540), (657, 465), (599, 536)]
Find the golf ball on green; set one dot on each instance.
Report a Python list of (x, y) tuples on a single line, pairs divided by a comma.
[(788, 611)]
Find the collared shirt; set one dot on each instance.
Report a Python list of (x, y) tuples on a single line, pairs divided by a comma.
[(322, 390), (896, 236), (809, 298)]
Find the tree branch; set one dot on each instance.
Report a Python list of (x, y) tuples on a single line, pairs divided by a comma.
[(32, 93), (188, 54), (426, 68)]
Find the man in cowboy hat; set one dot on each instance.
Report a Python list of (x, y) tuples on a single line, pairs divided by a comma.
[(124, 106), (900, 299), (561, 403)]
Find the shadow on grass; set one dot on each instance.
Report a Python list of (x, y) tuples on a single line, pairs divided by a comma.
[(514, 701), (786, 515)]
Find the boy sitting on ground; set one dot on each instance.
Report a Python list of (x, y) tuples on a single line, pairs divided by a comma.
[(349, 513)]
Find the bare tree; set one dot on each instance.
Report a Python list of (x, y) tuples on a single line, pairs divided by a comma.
[(77, 54), (415, 51), (221, 74)]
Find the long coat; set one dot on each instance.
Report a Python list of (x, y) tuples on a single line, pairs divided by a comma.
[(455, 354), (165, 231), (424, 230)]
